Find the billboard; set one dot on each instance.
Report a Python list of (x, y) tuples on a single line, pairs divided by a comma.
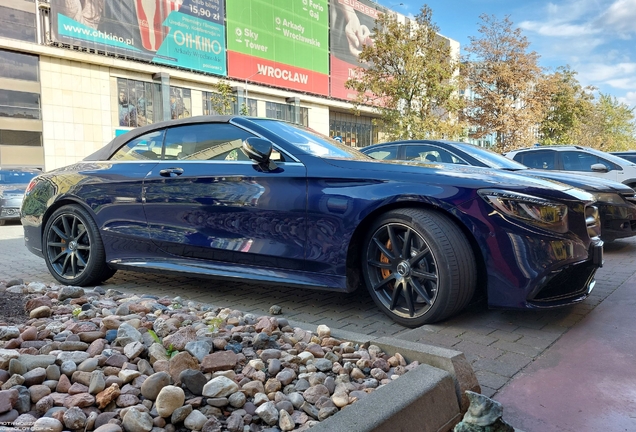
[(185, 33), (352, 24), (284, 43)]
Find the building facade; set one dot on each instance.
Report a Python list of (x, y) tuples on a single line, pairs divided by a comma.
[(73, 78)]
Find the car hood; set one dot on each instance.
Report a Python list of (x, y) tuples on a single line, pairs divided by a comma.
[(459, 175), (590, 184)]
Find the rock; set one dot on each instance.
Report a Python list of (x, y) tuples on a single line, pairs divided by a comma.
[(116, 360), (285, 421), (105, 397), (70, 292), (220, 387), (98, 383), (8, 398), (179, 339), (109, 427), (37, 392), (44, 404), (127, 334), (6, 355), (68, 367), (73, 346), (275, 310), (53, 372), (16, 367), (156, 352), (235, 423), (153, 384), (137, 421), (323, 331), (484, 414), (40, 312), (134, 350), (35, 376), (180, 414), (198, 349), (46, 424), (312, 394), (29, 334), (81, 400), (212, 425), (75, 356), (179, 363), (193, 380), (222, 360), (268, 413), (128, 375), (237, 400), (169, 399), (74, 418), (195, 420), (14, 380)]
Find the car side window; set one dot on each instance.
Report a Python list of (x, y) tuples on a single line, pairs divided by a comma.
[(541, 159), (431, 153), (209, 141), (384, 153), (143, 148), (582, 161)]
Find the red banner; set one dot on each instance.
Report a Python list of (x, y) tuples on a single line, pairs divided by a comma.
[(244, 66)]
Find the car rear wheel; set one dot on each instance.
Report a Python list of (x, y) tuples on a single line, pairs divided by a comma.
[(418, 266), (73, 248)]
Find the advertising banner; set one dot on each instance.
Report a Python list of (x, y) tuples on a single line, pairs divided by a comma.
[(284, 43), (185, 33), (352, 24)]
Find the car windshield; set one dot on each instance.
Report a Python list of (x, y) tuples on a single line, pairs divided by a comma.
[(310, 141), (16, 177), (490, 158)]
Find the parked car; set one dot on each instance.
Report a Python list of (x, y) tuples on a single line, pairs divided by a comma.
[(577, 160), (263, 200), (627, 155), (13, 182), (616, 202)]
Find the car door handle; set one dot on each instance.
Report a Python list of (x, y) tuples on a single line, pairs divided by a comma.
[(171, 172)]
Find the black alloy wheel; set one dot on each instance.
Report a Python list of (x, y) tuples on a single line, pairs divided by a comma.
[(73, 248), (418, 266)]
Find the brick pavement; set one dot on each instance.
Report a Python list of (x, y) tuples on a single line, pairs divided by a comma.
[(498, 343)]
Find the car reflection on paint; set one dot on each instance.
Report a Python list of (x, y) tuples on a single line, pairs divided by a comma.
[(13, 182), (263, 200)]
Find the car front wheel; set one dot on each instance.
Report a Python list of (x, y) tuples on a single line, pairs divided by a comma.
[(418, 266), (73, 248)]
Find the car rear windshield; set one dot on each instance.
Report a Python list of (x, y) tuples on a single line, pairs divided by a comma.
[(16, 177), (310, 141)]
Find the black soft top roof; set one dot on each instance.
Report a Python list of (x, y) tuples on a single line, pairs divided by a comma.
[(107, 151)]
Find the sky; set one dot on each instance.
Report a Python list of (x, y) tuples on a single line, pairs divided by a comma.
[(596, 38)]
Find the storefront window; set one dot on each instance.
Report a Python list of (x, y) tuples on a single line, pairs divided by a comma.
[(139, 103), (18, 21), (180, 103), (356, 131), (15, 65), (286, 112), (19, 104)]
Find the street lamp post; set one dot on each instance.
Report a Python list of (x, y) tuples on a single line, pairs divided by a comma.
[(246, 102)]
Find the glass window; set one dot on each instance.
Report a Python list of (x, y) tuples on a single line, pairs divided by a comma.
[(384, 153), (207, 141), (19, 104), (356, 131), (582, 161), (285, 112), (431, 153), (19, 66), (144, 148), (214, 104), (542, 159), (139, 103), (20, 138), (180, 103), (17, 24)]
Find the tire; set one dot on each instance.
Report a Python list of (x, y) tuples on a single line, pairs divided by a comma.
[(432, 279), (73, 249)]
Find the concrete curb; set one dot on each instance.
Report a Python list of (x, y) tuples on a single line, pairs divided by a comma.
[(432, 399)]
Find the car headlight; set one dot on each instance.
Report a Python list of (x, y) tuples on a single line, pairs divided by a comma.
[(533, 210), (610, 198)]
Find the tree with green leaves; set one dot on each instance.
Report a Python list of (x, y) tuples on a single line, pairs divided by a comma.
[(222, 100), (569, 107), (610, 126), (509, 90), (409, 76)]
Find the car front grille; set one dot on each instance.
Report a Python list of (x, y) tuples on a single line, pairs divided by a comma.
[(6, 212)]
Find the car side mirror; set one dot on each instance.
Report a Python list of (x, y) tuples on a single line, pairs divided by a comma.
[(260, 151), (599, 167)]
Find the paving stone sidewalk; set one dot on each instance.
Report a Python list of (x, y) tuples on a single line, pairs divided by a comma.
[(498, 343)]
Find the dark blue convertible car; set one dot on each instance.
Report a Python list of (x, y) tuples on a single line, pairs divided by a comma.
[(264, 200)]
